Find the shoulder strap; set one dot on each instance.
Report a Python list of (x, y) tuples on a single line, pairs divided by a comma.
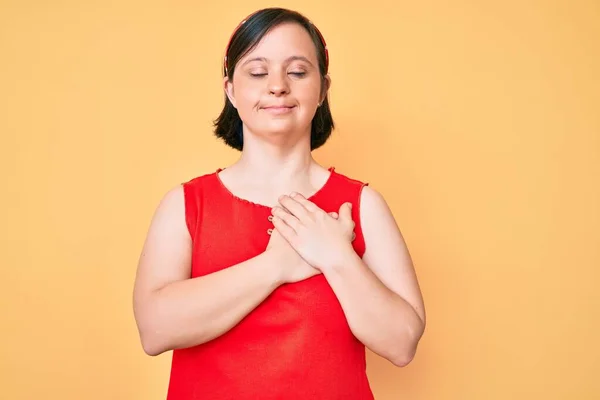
[(350, 190), (193, 191)]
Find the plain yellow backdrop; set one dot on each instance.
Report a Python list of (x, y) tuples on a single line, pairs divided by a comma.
[(478, 121)]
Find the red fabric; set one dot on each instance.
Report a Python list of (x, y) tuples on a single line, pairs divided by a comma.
[(296, 344)]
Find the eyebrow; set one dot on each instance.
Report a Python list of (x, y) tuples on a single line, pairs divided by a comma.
[(292, 58)]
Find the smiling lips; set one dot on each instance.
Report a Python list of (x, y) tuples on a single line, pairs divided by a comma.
[(279, 109)]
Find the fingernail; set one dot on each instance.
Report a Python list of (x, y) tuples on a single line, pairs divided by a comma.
[(269, 231), (270, 218), (294, 194)]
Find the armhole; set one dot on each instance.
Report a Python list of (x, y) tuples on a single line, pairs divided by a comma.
[(358, 226), (191, 208)]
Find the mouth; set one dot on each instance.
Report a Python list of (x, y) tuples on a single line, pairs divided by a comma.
[(279, 109)]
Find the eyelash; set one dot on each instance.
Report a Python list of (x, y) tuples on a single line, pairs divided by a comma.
[(297, 74)]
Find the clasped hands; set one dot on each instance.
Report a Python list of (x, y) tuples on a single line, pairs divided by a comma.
[(322, 239)]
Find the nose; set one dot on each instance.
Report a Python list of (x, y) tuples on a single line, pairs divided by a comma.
[(278, 84)]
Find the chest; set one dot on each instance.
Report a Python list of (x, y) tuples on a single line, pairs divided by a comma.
[(227, 237)]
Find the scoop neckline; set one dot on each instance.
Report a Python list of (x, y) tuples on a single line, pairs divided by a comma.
[(264, 206)]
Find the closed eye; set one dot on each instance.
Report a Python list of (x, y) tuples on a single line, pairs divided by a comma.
[(296, 74)]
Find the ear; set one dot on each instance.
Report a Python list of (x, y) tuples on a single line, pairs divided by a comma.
[(228, 88), (325, 88)]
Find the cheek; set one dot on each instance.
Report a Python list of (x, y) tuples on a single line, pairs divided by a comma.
[(246, 95), (310, 92), (246, 99)]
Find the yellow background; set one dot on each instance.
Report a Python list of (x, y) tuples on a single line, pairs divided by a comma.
[(478, 121)]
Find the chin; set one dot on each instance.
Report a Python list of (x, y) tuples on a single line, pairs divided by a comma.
[(279, 128)]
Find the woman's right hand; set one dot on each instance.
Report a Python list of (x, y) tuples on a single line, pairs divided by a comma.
[(291, 267)]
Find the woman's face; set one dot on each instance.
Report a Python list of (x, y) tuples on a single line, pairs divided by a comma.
[(276, 87)]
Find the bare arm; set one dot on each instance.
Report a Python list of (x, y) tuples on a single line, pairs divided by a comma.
[(173, 311), (380, 294)]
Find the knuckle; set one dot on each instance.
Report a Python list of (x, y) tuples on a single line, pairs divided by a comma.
[(313, 208)]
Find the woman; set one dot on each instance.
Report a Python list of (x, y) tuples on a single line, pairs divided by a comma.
[(268, 278)]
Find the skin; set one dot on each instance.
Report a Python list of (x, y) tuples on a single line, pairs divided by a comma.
[(379, 293)]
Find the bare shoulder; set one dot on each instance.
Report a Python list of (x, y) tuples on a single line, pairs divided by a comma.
[(376, 215), (169, 220), (166, 253), (169, 215), (173, 201), (378, 222), (386, 253), (372, 202)]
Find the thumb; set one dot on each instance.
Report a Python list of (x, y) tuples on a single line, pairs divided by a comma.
[(346, 211)]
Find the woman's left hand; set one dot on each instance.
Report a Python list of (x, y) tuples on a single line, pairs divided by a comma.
[(321, 240)]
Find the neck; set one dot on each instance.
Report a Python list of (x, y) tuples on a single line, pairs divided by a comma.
[(272, 163)]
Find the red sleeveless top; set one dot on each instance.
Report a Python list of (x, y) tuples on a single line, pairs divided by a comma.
[(296, 344)]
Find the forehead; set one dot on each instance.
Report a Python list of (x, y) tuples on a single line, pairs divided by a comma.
[(285, 40)]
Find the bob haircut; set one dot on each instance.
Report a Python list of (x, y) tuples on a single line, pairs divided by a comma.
[(228, 126)]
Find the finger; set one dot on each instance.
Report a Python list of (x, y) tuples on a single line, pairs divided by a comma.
[(307, 204), (284, 229), (294, 207), (286, 217), (334, 215), (346, 211)]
